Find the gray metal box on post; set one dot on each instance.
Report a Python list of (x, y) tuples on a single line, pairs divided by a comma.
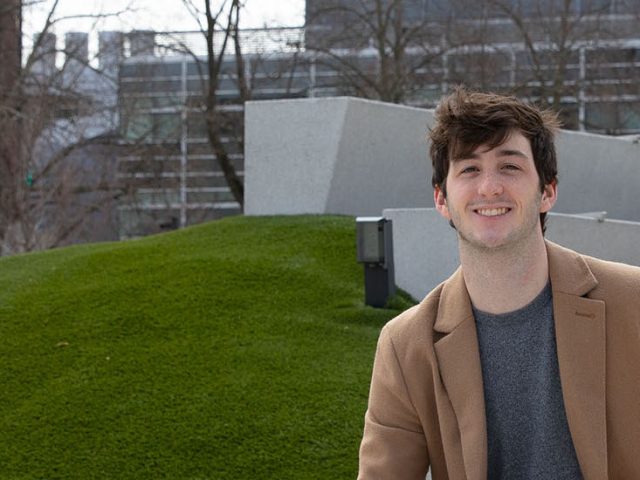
[(375, 251)]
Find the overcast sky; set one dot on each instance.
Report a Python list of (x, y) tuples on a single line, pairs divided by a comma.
[(159, 15), (156, 14)]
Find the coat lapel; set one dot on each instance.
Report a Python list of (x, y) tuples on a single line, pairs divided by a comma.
[(458, 357), (580, 338)]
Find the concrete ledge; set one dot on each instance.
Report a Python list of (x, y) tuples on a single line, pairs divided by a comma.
[(614, 240), (426, 248), (335, 155)]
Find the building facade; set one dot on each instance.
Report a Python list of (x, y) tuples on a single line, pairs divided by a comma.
[(580, 57)]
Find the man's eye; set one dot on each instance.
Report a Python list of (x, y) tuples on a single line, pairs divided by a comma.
[(469, 170), (510, 166)]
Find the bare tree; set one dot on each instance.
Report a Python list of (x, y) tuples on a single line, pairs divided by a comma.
[(550, 33), (559, 53), (10, 57), (52, 123), (219, 25), (381, 49)]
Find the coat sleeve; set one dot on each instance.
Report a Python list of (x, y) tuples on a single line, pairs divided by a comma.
[(394, 444)]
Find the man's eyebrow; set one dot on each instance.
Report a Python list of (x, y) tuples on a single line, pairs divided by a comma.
[(469, 156), (503, 152), (512, 152)]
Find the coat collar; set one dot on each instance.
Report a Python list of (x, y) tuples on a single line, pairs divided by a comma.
[(569, 271), (580, 338)]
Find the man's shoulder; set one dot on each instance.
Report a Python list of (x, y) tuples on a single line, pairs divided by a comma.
[(573, 267), (611, 281), (417, 321), (615, 279), (613, 271)]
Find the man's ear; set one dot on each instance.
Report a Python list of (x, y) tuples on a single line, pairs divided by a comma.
[(549, 196), (440, 201)]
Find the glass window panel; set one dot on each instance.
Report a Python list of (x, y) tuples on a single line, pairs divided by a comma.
[(613, 118), (138, 126), (167, 126), (569, 116), (158, 197), (196, 126), (167, 101)]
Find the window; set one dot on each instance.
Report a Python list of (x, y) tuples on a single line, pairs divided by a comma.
[(196, 126), (613, 118), (167, 126), (162, 127)]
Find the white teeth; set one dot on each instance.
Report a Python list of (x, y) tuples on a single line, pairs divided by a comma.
[(492, 212)]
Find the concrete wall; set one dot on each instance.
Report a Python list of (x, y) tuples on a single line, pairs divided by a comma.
[(335, 155), (356, 157), (597, 172), (426, 251)]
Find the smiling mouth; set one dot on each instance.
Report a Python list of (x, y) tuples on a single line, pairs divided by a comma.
[(492, 212)]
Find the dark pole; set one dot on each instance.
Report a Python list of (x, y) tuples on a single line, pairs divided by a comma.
[(375, 252)]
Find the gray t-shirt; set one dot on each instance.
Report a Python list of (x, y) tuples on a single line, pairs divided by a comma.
[(527, 431)]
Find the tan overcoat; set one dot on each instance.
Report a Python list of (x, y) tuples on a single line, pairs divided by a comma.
[(426, 404)]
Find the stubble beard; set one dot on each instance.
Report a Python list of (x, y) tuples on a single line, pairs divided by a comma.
[(515, 241)]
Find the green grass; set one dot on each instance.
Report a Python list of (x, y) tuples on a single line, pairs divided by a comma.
[(238, 349)]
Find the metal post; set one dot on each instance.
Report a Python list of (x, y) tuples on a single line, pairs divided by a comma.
[(375, 251)]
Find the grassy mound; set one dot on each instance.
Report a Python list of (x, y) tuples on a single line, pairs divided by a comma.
[(238, 349)]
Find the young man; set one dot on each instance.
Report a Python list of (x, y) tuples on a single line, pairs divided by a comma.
[(525, 363)]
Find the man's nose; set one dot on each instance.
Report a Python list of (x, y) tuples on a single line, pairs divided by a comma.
[(490, 185)]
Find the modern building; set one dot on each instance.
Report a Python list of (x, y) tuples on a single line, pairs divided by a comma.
[(580, 57)]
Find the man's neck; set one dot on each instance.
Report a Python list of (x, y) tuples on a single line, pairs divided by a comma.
[(503, 280)]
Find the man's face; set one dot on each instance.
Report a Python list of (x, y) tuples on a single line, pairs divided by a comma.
[(493, 196)]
